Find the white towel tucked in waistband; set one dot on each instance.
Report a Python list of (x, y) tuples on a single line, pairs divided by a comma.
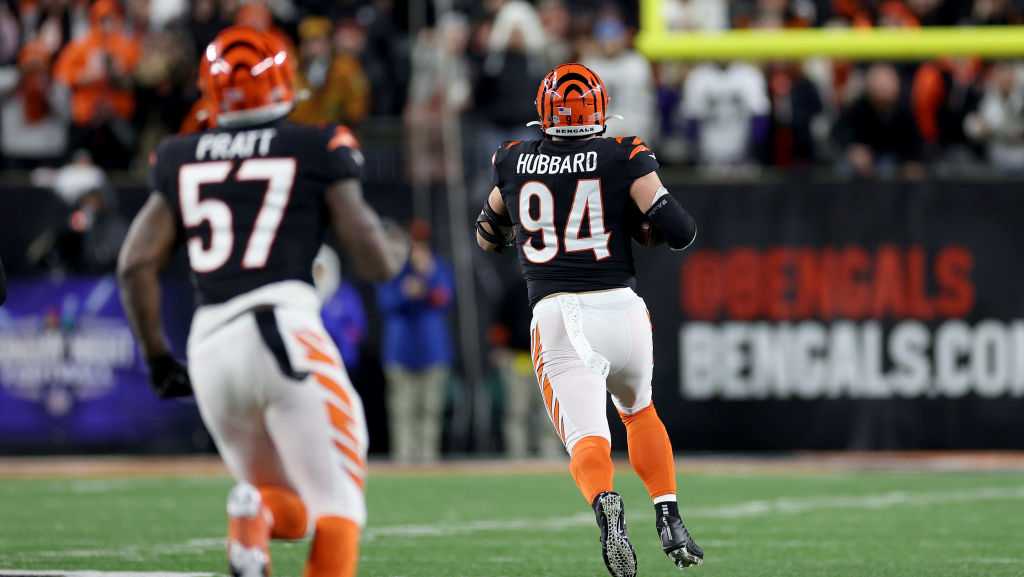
[(572, 318)]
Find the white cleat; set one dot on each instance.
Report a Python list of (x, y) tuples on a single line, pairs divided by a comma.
[(247, 561)]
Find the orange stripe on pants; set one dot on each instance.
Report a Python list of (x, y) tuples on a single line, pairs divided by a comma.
[(538, 364), (340, 421), (352, 456), (549, 396), (313, 350), (335, 388), (359, 481), (556, 420), (546, 390)]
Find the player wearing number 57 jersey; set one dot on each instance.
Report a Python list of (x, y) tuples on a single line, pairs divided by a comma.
[(571, 203), (251, 201)]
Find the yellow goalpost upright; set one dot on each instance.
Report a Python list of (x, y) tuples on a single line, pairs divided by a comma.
[(658, 42)]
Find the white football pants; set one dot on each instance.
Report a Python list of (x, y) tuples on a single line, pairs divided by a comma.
[(586, 345), (274, 394)]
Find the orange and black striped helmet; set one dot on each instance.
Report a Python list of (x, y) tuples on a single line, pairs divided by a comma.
[(246, 77), (572, 101)]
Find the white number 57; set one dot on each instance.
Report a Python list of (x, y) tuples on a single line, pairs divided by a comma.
[(280, 176)]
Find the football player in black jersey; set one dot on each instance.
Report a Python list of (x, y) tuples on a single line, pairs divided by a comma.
[(570, 203), (251, 200)]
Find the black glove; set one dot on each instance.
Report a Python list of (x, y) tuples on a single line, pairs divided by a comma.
[(168, 377)]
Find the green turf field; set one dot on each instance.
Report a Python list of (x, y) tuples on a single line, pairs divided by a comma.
[(492, 525)]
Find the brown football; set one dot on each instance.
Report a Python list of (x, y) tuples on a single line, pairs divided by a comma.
[(641, 229)]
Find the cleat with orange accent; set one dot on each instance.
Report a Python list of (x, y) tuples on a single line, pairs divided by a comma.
[(249, 526)]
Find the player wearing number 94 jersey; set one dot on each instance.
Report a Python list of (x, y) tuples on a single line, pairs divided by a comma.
[(251, 201), (570, 203)]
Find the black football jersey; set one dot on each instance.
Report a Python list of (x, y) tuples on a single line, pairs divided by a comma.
[(249, 202), (570, 204)]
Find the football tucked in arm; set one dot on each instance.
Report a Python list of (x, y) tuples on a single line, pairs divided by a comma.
[(642, 229)]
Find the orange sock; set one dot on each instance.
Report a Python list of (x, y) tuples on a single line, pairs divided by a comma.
[(249, 532), (248, 525), (591, 466), (289, 512), (335, 548), (650, 451)]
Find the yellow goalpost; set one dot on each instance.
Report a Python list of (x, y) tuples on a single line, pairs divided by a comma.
[(657, 42)]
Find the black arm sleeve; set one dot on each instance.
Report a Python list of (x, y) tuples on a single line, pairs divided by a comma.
[(498, 223), (3, 284), (674, 223)]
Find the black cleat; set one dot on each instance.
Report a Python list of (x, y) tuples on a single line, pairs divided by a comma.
[(618, 553), (675, 539)]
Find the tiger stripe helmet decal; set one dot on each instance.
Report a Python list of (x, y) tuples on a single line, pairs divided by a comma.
[(572, 101), (247, 76)]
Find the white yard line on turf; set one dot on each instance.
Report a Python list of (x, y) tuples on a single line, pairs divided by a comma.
[(58, 573), (997, 561), (877, 501), (783, 506), (746, 509), (136, 552)]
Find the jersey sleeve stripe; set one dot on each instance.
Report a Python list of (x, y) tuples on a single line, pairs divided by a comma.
[(637, 151)]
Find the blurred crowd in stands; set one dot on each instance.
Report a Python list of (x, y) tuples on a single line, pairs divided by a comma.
[(101, 81), (90, 86)]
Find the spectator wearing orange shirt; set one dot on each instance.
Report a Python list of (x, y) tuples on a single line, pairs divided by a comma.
[(943, 93), (96, 70)]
